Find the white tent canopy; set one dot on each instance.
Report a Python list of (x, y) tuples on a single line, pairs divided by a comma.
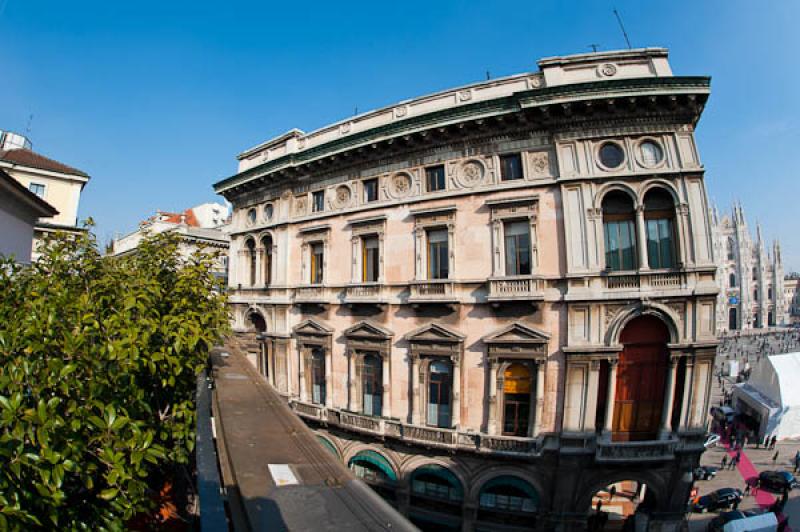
[(773, 392)]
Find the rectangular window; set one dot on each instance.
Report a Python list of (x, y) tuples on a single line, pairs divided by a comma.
[(318, 201), (370, 190), (437, 254), (659, 243), (510, 167), (317, 262), (370, 259), (620, 238), (37, 188), (518, 248), (434, 178)]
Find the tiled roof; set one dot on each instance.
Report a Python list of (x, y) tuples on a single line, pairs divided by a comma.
[(34, 160)]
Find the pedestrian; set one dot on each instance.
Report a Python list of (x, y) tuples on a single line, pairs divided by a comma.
[(724, 461), (766, 442), (738, 455), (775, 457), (612, 492), (773, 441), (746, 489)]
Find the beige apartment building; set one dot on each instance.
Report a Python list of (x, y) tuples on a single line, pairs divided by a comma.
[(56, 183), (493, 302)]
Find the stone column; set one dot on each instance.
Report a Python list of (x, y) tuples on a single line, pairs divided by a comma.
[(537, 420), (688, 376), (641, 239), (416, 407), (386, 409), (456, 418), (608, 423), (302, 373), (351, 379), (289, 368), (328, 377), (669, 394), (259, 262), (492, 428), (270, 348), (469, 514), (590, 416)]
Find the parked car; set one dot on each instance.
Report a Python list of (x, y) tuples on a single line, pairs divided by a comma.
[(711, 440), (717, 500), (705, 472), (718, 523), (777, 480)]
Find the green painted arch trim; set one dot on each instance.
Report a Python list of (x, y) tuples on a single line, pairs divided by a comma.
[(441, 472), (328, 445), (377, 460), (510, 480)]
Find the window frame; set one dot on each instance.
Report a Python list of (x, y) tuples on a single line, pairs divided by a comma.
[(508, 156), (440, 179), (365, 196), (316, 263), (424, 220), (35, 184), (518, 255), (318, 201)]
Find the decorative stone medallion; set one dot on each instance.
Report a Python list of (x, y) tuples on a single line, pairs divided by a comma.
[(465, 95), (300, 205), (345, 128), (536, 82), (342, 197), (540, 163), (400, 112), (470, 173), (400, 185), (607, 70)]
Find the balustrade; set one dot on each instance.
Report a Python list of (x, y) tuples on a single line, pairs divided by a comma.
[(622, 282)]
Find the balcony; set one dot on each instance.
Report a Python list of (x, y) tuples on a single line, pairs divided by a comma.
[(312, 295), (635, 451), (360, 423), (623, 282), (646, 280), (365, 294), (666, 280), (509, 445), (434, 291), (308, 410), (515, 289)]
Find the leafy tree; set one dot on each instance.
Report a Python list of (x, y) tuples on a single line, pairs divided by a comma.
[(98, 361)]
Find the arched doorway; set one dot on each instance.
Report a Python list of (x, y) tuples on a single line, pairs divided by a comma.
[(374, 469), (260, 326), (641, 375), (616, 505), (733, 322)]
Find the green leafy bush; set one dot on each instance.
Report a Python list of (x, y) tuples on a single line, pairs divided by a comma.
[(98, 361)]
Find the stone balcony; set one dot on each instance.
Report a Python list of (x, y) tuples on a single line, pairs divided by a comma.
[(366, 294), (635, 451), (312, 295), (646, 280), (515, 289), (432, 437), (433, 291)]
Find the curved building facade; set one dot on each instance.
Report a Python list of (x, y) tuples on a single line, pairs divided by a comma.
[(494, 301)]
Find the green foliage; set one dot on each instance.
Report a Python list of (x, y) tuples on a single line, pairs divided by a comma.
[(98, 360)]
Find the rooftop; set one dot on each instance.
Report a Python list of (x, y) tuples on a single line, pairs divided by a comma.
[(29, 158)]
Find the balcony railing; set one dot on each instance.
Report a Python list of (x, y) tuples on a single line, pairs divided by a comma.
[(433, 291), (512, 445), (311, 294), (637, 451), (622, 282), (429, 435), (515, 288), (361, 423), (667, 280), (365, 293), (309, 410)]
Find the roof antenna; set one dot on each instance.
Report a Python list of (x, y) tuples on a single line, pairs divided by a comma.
[(622, 27), (28, 127), (594, 48), (355, 111), (488, 75)]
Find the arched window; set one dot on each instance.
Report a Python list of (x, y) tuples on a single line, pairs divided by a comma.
[(731, 252), (620, 232), (372, 385), (732, 280), (755, 294), (733, 322), (328, 445), (251, 257), (266, 242), (436, 482), (372, 467), (508, 493), (769, 293), (659, 213), (440, 385), (318, 375), (770, 319), (516, 400), (755, 273)]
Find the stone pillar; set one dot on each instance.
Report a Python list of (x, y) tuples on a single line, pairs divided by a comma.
[(590, 416), (403, 494), (351, 379), (416, 407), (289, 369), (687, 395), (328, 377), (537, 420), (641, 239), (669, 394), (302, 373), (456, 419), (608, 423), (259, 273), (492, 428), (269, 345), (469, 514), (386, 409)]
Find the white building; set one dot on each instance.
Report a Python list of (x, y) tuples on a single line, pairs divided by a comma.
[(791, 298), (54, 182), (19, 211), (202, 226), (750, 279)]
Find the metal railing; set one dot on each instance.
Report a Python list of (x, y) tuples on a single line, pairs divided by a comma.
[(209, 486)]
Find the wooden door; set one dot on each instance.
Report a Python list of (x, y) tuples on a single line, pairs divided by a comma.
[(641, 375)]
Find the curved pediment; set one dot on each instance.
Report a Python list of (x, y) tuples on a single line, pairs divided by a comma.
[(312, 327), (517, 333), (367, 329), (435, 333)]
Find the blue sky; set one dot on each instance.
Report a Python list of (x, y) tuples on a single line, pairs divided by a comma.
[(155, 99)]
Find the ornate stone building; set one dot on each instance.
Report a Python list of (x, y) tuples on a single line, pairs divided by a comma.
[(494, 301), (791, 298), (751, 280)]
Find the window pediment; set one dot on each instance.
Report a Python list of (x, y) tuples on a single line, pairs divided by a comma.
[(435, 333), (517, 333), (368, 330), (312, 328)]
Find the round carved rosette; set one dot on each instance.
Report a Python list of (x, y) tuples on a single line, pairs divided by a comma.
[(400, 185), (471, 173)]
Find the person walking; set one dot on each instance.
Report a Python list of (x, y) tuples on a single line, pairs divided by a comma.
[(775, 457), (773, 441), (612, 492), (724, 461), (746, 489)]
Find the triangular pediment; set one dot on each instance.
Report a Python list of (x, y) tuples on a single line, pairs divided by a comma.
[(517, 333), (435, 333), (312, 327), (369, 330)]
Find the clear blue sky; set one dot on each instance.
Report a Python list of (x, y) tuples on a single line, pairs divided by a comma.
[(155, 98)]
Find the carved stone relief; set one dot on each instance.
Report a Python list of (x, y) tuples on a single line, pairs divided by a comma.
[(400, 185), (470, 173), (539, 163), (300, 205), (342, 197)]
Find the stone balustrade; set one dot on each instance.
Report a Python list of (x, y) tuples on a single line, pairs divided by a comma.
[(638, 451), (622, 282), (433, 291), (311, 294), (511, 288)]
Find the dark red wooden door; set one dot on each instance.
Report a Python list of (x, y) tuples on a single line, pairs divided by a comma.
[(641, 375)]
